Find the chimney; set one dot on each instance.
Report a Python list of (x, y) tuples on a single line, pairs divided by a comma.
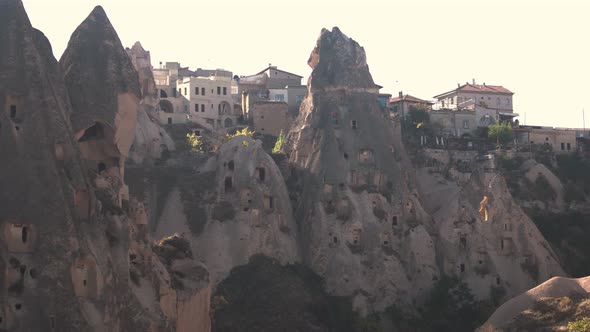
[(401, 95), (458, 85), (473, 81), (484, 83)]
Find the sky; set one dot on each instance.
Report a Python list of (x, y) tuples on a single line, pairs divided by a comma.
[(538, 49)]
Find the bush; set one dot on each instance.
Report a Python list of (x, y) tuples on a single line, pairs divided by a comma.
[(279, 144), (581, 325), (243, 132), (195, 142)]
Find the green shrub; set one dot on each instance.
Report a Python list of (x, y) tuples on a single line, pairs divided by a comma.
[(279, 144), (581, 325)]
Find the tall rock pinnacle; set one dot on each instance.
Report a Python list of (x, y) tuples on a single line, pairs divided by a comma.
[(337, 62), (102, 82), (356, 201)]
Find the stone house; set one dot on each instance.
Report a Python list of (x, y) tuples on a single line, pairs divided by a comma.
[(270, 117), (403, 103)]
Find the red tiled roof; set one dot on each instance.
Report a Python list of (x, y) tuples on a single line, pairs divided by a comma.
[(410, 99), (478, 88), (484, 88)]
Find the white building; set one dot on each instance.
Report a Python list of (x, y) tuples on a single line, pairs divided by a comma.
[(202, 96)]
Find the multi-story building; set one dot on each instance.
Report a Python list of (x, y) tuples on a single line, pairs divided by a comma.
[(479, 105), (272, 84), (203, 96), (468, 96)]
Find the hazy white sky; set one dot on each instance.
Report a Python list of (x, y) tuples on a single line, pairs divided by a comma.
[(539, 49)]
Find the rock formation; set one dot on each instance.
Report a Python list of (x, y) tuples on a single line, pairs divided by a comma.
[(75, 253), (363, 227), (381, 230), (235, 206), (508, 316), (505, 252), (151, 140)]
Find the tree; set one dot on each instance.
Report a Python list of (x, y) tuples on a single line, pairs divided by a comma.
[(500, 132), (279, 144)]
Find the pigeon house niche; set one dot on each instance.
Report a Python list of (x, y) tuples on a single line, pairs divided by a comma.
[(86, 278), (20, 238)]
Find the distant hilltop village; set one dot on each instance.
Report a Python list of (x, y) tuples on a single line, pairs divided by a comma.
[(269, 101)]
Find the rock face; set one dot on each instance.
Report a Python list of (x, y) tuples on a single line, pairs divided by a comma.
[(506, 252), (235, 207), (104, 91), (363, 227), (73, 243), (380, 229), (41, 178), (507, 315), (151, 140)]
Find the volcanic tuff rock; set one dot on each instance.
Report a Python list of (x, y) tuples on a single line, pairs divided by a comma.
[(377, 228), (506, 252), (151, 140), (363, 227), (40, 168), (563, 289), (104, 89), (65, 264), (234, 207)]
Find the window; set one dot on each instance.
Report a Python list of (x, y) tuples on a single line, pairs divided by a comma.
[(202, 107), (169, 120), (173, 92), (508, 101), (562, 146), (196, 107), (462, 268), (12, 111), (261, 173), (197, 91), (203, 91), (218, 90), (211, 106), (569, 146), (224, 91), (465, 124), (280, 97), (394, 221), (299, 99), (452, 101), (185, 92), (498, 101), (25, 234), (228, 183), (353, 124)]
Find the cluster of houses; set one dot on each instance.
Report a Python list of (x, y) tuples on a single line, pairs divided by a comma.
[(269, 100), (461, 111), (217, 99)]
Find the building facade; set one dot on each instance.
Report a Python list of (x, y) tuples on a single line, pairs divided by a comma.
[(561, 140), (270, 117), (272, 84), (467, 96), (203, 96)]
